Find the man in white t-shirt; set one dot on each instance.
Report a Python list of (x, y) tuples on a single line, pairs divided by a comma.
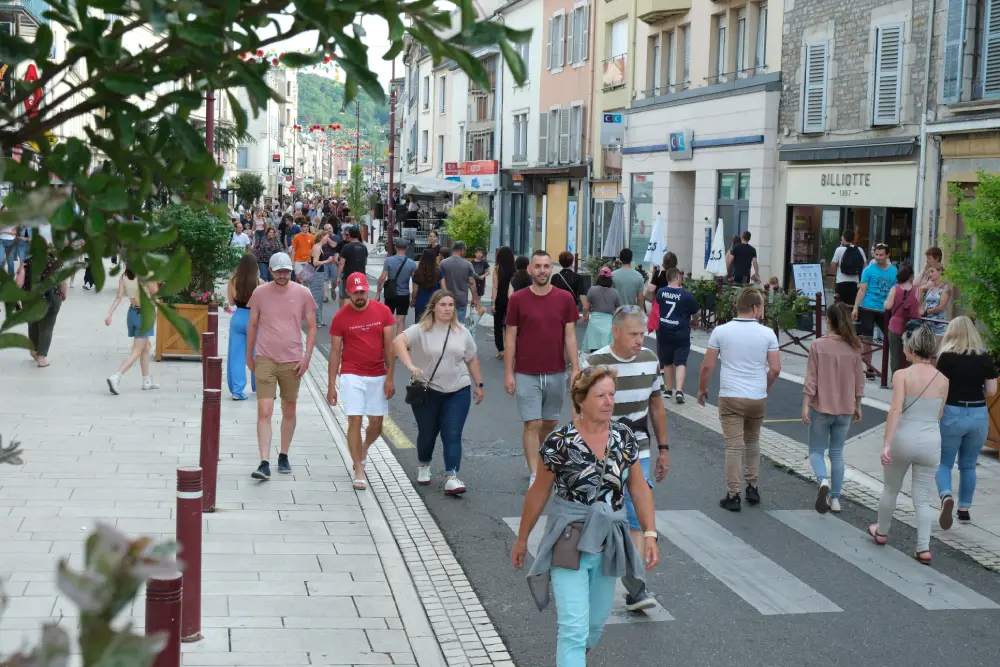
[(751, 362), (240, 239), (848, 262)]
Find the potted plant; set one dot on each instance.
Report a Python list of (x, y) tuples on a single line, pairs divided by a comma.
[(974, 270), (206, 238), (470, 222)]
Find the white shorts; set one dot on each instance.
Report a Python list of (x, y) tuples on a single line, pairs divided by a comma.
[(300, 267), (360, 395)]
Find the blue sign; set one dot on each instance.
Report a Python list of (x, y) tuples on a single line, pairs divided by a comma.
[(679, 144)]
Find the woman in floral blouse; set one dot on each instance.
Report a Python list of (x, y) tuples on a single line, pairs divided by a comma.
[(263, 250), (587, 463)]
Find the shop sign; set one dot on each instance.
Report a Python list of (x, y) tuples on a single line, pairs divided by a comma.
[(451, 169), (479, 175), (679, 144), (891, 185), (35, 98), (517, 180), (276, 158), (612, 129), (606, 190)]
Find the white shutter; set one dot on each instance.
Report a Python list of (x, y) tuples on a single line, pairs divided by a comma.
[(888, 74), (991, 57), (741, 34), (687, 56), (814, 95), (548, 48), (560, 57), (570, 53), (543, 136), (954, 52), (564, 118), (761, 60), (585, 47), (578, 131)]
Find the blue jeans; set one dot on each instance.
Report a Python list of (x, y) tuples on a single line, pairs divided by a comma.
[(828, 432), (8, 253), (633, 518), (265, 272), (445, 414), (963, 433), (236, 363), (583, 601)]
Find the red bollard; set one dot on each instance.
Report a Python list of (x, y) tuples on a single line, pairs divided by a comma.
[(189, 499), (163, 614), (209, 348), (213, 376), (213, 320), (210, 415)]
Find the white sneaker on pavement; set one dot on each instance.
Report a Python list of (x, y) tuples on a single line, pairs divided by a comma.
[(453, 486), (423, 475), (113, 383), (149, 384), (835, 505)]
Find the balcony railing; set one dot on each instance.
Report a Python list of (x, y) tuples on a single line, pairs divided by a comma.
[(519, 157), (614, 72), (738, 74), (669, 89)]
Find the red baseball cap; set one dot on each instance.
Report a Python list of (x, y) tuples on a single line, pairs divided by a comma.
[(357, 282)]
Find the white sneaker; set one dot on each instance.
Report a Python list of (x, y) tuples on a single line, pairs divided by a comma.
[(113, 383), (531, 480), (823, 497), (423, 475), (453, 486), (835, 505), (146, 386)]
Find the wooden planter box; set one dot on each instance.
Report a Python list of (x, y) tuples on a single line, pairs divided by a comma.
[(169, 342), (993, 439)]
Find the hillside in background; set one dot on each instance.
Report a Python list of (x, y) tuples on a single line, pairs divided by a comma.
[(321, 100)]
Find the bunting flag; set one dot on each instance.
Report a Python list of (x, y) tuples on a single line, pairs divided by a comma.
[(274, 58)]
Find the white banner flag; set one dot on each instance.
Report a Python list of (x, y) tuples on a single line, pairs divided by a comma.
[(657, 244), (717, 258)]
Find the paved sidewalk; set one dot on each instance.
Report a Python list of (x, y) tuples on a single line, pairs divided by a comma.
[(299, 570)]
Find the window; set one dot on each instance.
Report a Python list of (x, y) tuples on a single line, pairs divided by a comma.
[(439, 154), (554, 136), (686, 82), (720, 49), (461, 141), (671, 63), (578, 35), (543, 137), (988, 83), (888, 74), (576, 131), (441, 90), (814, 96), (288, 89), (555, 49), (655, 69), (741, 34), (424, 148), (242, 157), (520, 137), (427, 93), (954, 52), (412, 89), (522, 49), (564, 136), (412, 148), (761, 60), (618, 44)]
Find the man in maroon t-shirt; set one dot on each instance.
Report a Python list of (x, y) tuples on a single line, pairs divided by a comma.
[(535, 361), (362, 335)]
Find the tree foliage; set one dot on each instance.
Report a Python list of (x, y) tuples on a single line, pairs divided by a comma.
[(354, 192), (249, 187), (134, 76), (974, 266), (469, 221)]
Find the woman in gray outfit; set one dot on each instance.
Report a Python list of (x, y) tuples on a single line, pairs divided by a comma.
[(318, 279), (913, 438), (586, 544)]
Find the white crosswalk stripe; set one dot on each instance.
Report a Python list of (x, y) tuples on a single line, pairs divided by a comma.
[(923, 585)]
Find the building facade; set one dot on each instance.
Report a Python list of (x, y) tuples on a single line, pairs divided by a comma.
[(855, 79)]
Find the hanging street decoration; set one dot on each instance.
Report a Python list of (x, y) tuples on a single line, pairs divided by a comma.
[(274, 58)]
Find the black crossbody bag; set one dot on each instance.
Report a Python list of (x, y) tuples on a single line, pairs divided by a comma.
[(390, 285), (416, 391)]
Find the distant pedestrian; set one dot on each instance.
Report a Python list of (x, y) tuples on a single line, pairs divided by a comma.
[(317, 284), (426, 281), (913, 440), (521, 279), (743, 260), (599, 307), (629, 282), (877, 281), (361, 354), (482, 268), (586, 464), (240, 288), (274, 352), (935, 295), (677, 309), (637, 404), (395, 281), (503, 273), (831, 400), (847, 265), (540, 339), (459, 278), (128, 288), (568, 279), (440, 354), (302, 245), (331, 249), (259, 225), (353, 259), (751, 362), (658, 276), (972, 378), (40, 331), (264, 250), (932, 257), (239, 239), (902, 305)]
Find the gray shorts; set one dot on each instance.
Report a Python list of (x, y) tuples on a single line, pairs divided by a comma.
[(540, 396)]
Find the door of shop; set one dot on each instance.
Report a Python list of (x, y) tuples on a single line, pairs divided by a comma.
[(733, 205)]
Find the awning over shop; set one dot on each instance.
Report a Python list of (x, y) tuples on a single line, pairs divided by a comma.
[(869, 149), (418, 184)]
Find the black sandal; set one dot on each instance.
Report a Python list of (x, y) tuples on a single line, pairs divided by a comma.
[(920, 559)]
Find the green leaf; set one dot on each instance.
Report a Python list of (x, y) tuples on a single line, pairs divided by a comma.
[(125, 84), (239, 113), (148, 311), (33, 309), (183, 327), (189, 139), (43, 43), (113, 199), (197, 33), (14, 50), (9, 340), (295, 60), (517, 68)]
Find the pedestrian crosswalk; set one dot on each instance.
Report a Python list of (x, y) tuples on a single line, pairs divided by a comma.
[(771, 589)]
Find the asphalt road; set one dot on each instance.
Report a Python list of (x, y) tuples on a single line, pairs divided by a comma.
[(841, 613)]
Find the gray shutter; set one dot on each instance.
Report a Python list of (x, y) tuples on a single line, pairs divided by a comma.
[(888, 74), (954, 52), (570, 52), (543, 137), (814, 95), (687, 56), (564, 118), (581, 132), (548, 48), (584, 49), (991, 56), (560, 55)]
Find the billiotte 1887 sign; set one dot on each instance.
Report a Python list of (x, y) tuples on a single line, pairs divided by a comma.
[(889, 184)]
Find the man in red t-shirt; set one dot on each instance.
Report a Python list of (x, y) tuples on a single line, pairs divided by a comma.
[(362, 335), (535, 361)]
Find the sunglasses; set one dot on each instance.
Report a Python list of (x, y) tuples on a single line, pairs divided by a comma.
[(881, 246), (599, 368), (628, 309)]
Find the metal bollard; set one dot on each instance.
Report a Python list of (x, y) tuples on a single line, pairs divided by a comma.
[(189, 501), (209, 460), (209, 348), (214, 372), (819, 315), (163, 614)]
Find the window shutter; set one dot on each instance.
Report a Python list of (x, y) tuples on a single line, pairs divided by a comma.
[(560, 56), (570, 53), (543, 136), (954, 52), (991, 70), (814, 99), (687, 55), (548, 48), (564, 117), (579, 130), (888, 74), (585, 47)]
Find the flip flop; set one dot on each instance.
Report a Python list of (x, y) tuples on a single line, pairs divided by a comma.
[(920, 557), (360, 484), (43, 364), (880, 539)]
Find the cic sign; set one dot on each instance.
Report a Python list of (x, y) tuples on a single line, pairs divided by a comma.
[(679, 145)]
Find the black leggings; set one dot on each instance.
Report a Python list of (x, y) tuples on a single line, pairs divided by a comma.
[(499, 325), (40, 332)]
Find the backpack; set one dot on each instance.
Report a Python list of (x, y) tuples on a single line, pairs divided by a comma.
[(853, 262)]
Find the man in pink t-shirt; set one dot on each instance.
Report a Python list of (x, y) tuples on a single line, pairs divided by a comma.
[(362, 335), (274, 335)]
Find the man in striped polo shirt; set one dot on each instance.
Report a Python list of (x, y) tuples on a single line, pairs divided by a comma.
[(637, 399)]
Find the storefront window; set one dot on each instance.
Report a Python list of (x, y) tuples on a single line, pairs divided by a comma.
[(727, 185), (745, 185), (603, 208), (641, 215), (733, 205)]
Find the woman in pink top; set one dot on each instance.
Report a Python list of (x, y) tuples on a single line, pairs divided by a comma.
[(831, 397), (903, 305)]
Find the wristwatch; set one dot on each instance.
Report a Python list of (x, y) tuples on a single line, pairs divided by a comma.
[(664, 447), (480, 385)]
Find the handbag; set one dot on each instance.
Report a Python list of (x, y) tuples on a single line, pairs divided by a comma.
[(390, 285), (566, 550), (416, 391)]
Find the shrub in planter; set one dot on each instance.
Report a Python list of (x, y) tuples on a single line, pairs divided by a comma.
[(206, 239), (470, 222)]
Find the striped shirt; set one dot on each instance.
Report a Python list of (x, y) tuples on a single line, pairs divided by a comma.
[(638, 379)]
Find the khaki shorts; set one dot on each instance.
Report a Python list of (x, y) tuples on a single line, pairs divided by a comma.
[(271, 375)]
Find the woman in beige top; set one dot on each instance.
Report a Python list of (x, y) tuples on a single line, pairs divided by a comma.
[(128, 287), (831, 398)]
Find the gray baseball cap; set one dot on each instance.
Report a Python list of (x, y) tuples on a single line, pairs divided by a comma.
[(280, 262), (401, 242)]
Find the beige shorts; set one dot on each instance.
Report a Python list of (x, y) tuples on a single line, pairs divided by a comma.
[(271, 375)]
